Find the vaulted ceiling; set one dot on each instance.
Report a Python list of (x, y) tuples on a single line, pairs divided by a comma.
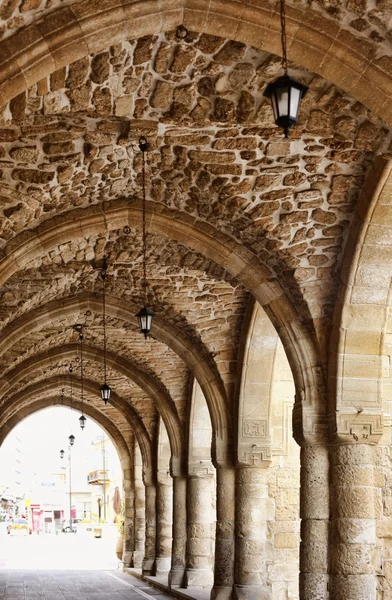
[(69, 159)]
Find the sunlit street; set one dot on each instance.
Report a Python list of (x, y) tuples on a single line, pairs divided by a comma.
[(66, 566), (63, 551)]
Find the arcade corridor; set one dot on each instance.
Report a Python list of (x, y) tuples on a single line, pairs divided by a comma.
[(141, 171)]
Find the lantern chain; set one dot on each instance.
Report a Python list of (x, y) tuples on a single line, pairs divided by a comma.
[(71, 383), (143, 147), (283, 34), (81, 366), (103, 276)]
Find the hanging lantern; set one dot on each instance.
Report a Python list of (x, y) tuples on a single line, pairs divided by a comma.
[(145, 316), (82, 419), (285, 92), (105, 392), (62, 453), (71, 440)]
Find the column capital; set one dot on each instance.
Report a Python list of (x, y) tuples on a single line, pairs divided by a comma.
[(177, 468), (310, 426), (201, 469), (357, 428), (148, 477), (253, 455)]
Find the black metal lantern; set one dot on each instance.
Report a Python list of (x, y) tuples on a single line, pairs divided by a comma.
[(286, 94), (145, 316), (105, 392), (82, 421), (62, 453), (71, 440)]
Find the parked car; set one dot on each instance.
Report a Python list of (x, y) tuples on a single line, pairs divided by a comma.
[(19, 527)]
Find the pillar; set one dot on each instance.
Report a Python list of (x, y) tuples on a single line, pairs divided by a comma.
[(315, 514), (177, 571), (140, 512), (148, 567), (355, 556), (129, 516), (164, 524), (251, 534), (224, 538), (198, 548)]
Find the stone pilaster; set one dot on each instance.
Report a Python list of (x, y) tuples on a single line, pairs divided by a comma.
[(198, 547), (177, 571), (224, 540), (314, 512), (251, 534), (355, 555), (129, 522), (164, 524), (148, 567), (140, 513)]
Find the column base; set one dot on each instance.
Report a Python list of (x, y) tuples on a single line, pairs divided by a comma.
[(148, 566), (176, 577), (137, 559), (221, 593), (251, 592), (127, 559), (199, 578), (162, 566)]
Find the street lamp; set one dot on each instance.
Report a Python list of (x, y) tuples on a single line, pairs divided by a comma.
[(71, 443)]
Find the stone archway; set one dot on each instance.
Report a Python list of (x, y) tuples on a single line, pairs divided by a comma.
[(67, 34)]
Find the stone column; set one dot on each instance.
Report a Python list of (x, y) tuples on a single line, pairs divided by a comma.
[(314, 512), (251, 534), (140, 512), (198, 548), (224, 539), (164, 524), (177, 571), (355, 555), (129, 516), (148, 567)]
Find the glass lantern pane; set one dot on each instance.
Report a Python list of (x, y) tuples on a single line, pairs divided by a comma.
[(295, 97), (283, 101), (274, 106)]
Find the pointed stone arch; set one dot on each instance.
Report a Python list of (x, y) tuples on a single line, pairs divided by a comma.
[(145, 381), (72, 32), (15, 403), (299, 344), (192, 353)]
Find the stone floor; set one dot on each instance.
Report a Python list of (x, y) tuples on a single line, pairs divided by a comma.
[(74, 585)]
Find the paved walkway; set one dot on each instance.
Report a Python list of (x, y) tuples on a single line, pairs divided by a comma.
[(73, 585)]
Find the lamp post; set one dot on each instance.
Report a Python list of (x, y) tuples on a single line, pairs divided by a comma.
[(71, 443), (104, 477)]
